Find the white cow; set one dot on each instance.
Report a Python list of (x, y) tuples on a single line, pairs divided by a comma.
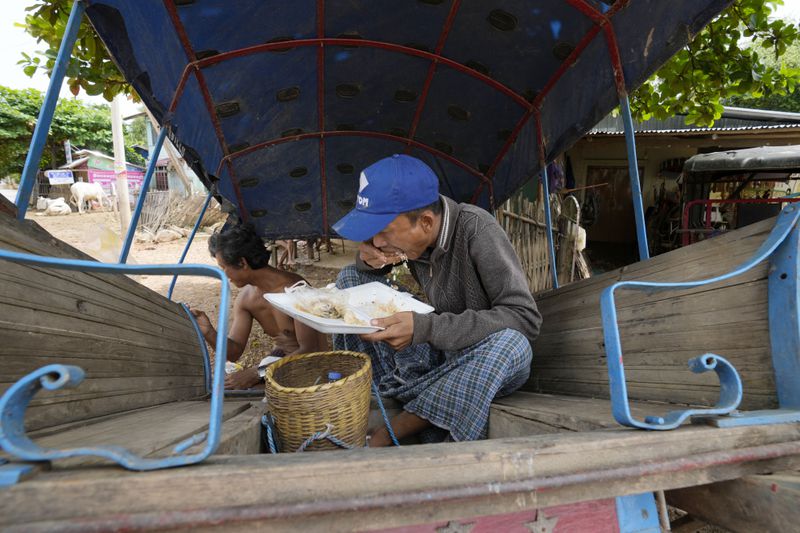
[(84, 192), (53, 207)]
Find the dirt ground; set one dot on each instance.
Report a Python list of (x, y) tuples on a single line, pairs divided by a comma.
[(98, 235)]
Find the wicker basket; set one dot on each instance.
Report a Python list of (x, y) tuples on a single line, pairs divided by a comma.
[(301, 408)]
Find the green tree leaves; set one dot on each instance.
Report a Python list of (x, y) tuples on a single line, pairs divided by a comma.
[(737, 55), (85, 125), (90, 67)]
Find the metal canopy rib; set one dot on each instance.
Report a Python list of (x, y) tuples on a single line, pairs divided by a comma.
[(426, 86), (357, 133), (201, 81)]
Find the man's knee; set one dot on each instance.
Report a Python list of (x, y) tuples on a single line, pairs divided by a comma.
[(348, 277), (514, 348), (516, 355)]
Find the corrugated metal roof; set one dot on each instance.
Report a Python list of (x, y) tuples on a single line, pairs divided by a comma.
[(733, 119)]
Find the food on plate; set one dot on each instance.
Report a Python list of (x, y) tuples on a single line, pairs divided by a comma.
[(382, 310), (327, 308)]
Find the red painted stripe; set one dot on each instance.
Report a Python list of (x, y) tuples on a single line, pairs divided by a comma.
[(604, 21), (509, 143), (201, 81), (358, 133), (321, 112), (537, 103), (448, 25), (477, 193), (330, 41), (567, 63), (616, 60), (181, 86), (540, 139), (479, 190), (588, 10), (169, 5)]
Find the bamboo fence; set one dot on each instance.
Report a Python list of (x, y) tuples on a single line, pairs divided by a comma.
[(523, 222)]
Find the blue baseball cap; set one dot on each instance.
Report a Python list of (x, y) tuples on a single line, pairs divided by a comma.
[(387, 188)]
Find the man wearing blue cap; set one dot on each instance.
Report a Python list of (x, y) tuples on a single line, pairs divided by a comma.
[(445, 367)]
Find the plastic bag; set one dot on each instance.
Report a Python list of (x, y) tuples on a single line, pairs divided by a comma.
[(330, 302), (231, 367)]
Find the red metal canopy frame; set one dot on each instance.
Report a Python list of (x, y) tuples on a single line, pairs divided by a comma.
[(601, 21)]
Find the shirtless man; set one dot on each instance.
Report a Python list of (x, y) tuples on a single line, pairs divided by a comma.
[(241, 254)]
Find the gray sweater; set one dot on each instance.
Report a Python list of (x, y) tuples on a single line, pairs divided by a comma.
[(473, 278)]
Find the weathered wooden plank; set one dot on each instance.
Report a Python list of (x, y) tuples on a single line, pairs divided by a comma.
[(660, 332), (649, 392), (29, 237), (698, 261), (747, 300), (504, 423), (100, 367), (24, 315), (45, 414), (92, 296), (768, 504), (523, 414), (25, 339), (597, 516), (110, 388), (147, 432), (626, 298), (368, 489), (7, 207), (137, 348), (241, 433)]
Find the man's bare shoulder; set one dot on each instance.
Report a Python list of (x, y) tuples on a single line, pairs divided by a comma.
[(252, 298)]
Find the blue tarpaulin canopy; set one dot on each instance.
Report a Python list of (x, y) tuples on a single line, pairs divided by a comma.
[(279, 105)]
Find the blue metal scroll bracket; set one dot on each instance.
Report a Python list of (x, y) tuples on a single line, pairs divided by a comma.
[(731, 386), (16, 399), (784, 319)]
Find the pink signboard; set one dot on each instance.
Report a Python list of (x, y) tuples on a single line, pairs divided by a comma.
[(106, 177)]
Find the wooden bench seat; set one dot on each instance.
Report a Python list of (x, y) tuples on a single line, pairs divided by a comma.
[(660, 332), (138, 348), (525, 413), (145, 381), (154, 431)]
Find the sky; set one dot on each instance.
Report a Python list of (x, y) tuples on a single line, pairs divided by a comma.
[(14, 41)]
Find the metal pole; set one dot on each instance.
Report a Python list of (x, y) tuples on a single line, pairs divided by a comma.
[(189, 243), (151, 166), (549, 224), (633, 171), (663, 512), (120, 165), (48, 109)]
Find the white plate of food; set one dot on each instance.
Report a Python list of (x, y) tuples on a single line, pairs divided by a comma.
[(344, 311)]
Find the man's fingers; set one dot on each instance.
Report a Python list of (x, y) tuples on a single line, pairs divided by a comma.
[(377, 336), (385, 322)]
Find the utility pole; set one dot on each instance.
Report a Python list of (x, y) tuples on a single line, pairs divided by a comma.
[(120, 168), (68, 151)]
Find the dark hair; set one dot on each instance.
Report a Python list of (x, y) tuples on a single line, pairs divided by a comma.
[(414, 215), (237, 243)]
